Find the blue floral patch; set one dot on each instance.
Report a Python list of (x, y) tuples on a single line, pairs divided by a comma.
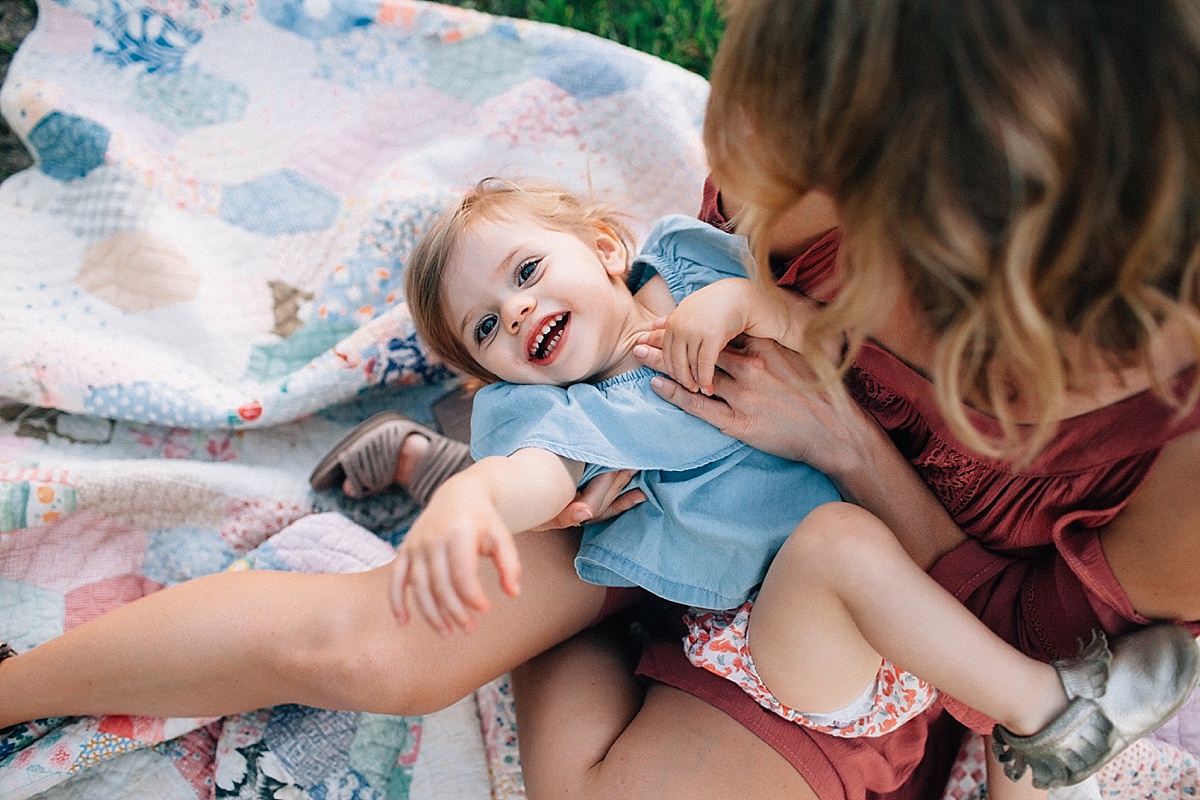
[(281, 202), (349, 785), (402, 359), (20, 736), (181, 554), (370, 56), (318, 19), (68, 147), (143, 36), (360, 289)]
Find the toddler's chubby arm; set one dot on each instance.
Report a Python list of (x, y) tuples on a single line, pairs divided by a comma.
[(472, 515), (707, 320)]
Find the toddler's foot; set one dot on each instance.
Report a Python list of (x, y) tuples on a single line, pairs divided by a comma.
[(1116, 697)]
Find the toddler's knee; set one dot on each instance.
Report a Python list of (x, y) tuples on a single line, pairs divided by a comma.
[(834, 535)]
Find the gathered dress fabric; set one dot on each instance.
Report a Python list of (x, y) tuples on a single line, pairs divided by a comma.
[(1032, 567)]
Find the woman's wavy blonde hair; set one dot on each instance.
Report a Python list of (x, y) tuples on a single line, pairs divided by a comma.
[(1028, 170), (491, 199)]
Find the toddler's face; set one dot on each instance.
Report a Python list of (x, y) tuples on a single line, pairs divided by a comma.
[(537, 305)]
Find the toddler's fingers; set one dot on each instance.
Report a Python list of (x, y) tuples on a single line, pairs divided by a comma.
[(398, 587), (508, 562), (709, 352), (464, 573), (679, 367), (423, 596), (445, 593)]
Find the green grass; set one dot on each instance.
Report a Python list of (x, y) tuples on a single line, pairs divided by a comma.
[(684, 32)]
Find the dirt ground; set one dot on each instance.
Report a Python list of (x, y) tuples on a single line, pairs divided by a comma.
[(16, 20)]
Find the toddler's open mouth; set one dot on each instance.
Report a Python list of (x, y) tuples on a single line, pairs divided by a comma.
[(546, 339)]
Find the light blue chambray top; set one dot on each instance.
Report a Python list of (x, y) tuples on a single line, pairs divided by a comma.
[(717, 510)]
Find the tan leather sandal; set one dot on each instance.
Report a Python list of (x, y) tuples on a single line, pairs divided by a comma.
[(366, 458), (1116, 697)]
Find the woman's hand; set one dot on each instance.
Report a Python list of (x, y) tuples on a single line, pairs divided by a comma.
[(604, 497), (769, 397)]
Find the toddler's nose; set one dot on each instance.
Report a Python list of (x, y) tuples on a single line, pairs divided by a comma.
[(517, 310)]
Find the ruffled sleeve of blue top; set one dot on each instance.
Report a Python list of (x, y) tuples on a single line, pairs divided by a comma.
[(717, 510)]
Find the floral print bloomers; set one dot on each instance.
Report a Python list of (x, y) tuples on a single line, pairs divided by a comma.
[(716, 641)]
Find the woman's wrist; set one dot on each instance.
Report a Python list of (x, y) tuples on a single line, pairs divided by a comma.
[(879, 478)]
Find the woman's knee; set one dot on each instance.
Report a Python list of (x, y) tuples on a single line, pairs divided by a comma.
[(365, 674)]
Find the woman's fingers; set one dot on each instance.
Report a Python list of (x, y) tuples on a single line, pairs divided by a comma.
[(712, 410), (649, 356), (608, 498), (622, 503)]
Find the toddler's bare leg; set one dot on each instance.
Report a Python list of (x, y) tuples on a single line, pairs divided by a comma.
[(842, 591), (238, 641)]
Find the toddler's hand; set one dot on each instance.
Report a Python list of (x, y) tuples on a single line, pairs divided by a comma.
[(438, 562), (698, 330)]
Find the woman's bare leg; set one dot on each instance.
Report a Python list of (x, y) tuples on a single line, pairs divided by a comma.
[(237, 641), (842, 591), (590, 730), (1154, 543)]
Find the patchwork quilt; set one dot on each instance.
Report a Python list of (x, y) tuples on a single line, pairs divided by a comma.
[(200, 292)]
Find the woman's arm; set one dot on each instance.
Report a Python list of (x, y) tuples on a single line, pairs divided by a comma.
[(472, 515)]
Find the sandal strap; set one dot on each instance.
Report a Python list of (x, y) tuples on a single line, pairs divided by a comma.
[(370, 465), (446, 457)]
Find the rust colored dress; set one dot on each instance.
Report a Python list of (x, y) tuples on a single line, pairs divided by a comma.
[(1032, 568)]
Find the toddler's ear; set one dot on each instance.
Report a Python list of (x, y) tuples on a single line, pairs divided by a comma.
[(611, 250)]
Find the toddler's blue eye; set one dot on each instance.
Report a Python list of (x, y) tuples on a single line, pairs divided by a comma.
[(526, 270), (484, 329)]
